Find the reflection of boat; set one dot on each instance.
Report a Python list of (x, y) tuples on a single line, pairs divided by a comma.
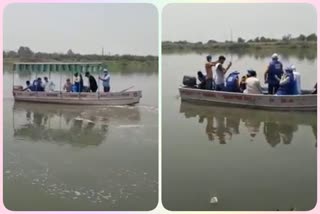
[(305, 102), (76, 98), (72, 125), (222, 122)]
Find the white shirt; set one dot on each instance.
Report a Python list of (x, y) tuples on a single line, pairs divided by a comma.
[(219, 78), (48, 86), (297, 78), (253, 86)]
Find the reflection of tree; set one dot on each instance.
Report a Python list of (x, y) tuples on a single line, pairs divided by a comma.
[(278, 127)]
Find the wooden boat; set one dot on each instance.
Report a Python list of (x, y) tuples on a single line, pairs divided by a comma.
[(304, 102), (124, 97)]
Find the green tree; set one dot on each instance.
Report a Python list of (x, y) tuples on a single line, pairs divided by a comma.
[(240, 40), (312, 37)]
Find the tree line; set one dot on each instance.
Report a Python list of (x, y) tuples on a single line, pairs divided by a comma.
[(286, 38), (26, 54)]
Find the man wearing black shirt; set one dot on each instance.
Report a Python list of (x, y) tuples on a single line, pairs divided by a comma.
[(92, 82)]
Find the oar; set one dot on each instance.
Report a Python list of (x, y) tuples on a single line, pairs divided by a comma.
[(127, 89)]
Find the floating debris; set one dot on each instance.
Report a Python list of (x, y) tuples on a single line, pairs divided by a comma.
[(214, 200)]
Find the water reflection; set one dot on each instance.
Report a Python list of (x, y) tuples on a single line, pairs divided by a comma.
[(72, 125), (223, 123)]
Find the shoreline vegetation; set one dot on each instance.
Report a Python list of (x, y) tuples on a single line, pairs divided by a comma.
[(259, 44), (117, 63)]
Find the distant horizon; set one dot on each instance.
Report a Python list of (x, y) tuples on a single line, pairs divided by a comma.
[(119, 28), (223, 21)]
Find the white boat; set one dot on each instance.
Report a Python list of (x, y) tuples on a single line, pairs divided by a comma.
[(304, 102), (123, 97)]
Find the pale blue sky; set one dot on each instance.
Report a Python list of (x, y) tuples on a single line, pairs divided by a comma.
[(85, 28), (202, 22)]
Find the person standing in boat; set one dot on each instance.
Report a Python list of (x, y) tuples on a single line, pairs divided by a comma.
[(287, 83), (48, 85), (252, 83), (220, 72), (78, 82), (273, 74), (209, 77), (105, 80), (93, 86)]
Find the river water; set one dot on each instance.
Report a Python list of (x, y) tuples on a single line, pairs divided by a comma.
[(222, 158), (60, 157)]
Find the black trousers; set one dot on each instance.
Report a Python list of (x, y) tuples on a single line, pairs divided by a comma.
[(106, 89)]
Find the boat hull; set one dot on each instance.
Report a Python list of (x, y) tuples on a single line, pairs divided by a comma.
[(307, 102), (111, 98)]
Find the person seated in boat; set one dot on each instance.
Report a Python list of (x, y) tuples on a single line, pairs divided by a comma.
[(37, 84), (93, 86), (202, 80), (28, 87), (252, 83), (209, 77), (242, 83), (48, 85), (297, 79), (232, 82), (78, 83), (105, 80), (287, 83), (220, 72), (273, 74), (67, 86)]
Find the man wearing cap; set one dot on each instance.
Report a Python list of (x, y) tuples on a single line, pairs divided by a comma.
[(252, 83), (105, 80), (273, 74), (287, 83), (209, 77)]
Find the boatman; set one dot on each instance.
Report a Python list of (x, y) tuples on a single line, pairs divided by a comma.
[(209, 77), (105, 80), (273, 74), (220, 72)]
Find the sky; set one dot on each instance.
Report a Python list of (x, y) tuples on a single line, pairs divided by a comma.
[(84, 28), (202, 22)]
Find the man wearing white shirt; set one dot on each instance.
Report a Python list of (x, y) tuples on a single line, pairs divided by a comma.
[(105, 80), (48, 85)]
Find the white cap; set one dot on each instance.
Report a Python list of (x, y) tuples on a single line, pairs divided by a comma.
[(274, 56), (105, 70), (293, 67)]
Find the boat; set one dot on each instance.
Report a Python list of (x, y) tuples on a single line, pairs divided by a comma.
[(123, 97), (304, 102)]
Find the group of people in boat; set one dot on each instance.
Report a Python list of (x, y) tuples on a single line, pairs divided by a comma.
[(77, 86), (281, 81)]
